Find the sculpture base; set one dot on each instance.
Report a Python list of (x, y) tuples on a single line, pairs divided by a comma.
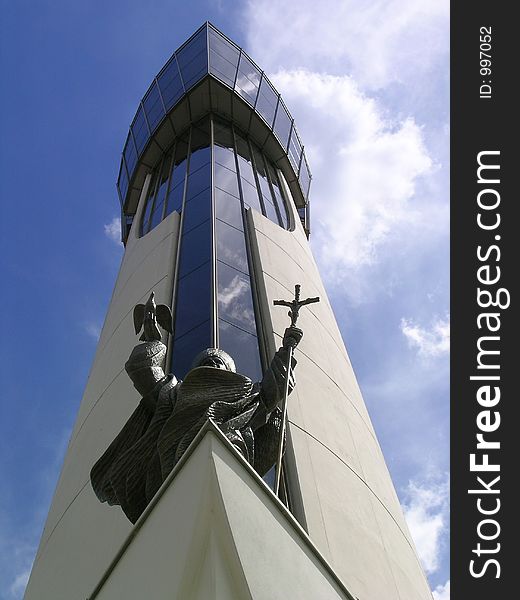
[(216, 531)]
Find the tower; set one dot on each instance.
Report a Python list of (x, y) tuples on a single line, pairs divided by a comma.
[(214, 187)]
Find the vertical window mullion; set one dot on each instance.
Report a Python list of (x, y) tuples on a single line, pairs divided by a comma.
[(273, 195), (214, 273), (170, 174), (152, 199), (255, 175)]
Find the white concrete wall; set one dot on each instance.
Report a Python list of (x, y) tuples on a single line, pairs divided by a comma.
[(81, 535), (350, 507)]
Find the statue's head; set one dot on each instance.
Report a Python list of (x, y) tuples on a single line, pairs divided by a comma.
[(213, 357)]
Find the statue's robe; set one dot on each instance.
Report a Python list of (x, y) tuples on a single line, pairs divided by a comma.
[(168, 418)]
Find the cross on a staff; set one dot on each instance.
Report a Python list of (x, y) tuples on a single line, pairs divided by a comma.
[(294, 310), (296, 304)]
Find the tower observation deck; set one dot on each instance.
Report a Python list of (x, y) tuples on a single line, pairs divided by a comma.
[(214, 192)]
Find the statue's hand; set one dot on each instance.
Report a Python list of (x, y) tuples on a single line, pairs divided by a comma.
[(292, 337)]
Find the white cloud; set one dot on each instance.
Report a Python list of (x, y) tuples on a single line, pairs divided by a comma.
[(425, 509), (19, 584), (113, 230), (429, 342), (365, 167), (442, 592), (377, 41), (93, 330)]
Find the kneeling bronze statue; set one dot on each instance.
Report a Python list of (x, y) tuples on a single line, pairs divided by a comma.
[(171, 413)]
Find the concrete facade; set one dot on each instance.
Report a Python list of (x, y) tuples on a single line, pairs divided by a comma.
[(340, 488)]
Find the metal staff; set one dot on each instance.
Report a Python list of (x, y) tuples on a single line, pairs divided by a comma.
[(294, 309)]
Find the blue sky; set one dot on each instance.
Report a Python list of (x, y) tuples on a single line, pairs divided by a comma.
[(367, 83)]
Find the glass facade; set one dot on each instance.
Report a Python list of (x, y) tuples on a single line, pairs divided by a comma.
[(209, 52), (212, 175)]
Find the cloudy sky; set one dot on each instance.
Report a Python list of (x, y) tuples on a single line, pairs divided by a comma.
[(367, 82)]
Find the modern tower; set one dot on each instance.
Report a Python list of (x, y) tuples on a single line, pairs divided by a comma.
[(214, 187)]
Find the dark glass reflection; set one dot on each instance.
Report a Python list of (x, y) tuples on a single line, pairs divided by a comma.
[(130, 154), (195, 248), (153, 106), (193, 59), (243, 347), (231, 247), (170, 83), (140, 130), (235, 304), (186, 348), (197, 210), (193, 304), (282, 124)]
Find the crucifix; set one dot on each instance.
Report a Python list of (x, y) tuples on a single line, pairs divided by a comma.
[(294, 310)]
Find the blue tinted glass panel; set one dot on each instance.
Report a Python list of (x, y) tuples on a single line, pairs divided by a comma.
[(193, 305), (226, 180), (176, 192), (243, 347), (156, 216), (197, 210), (163, 181), (282, 124), (122, 182), (266, 102), (153, 106), (195, 248), (198, 181), (170, 83), (186, 348), (244, 160), (130, 155), (270, 211), (228, 209), (223, 58), (193, 59), (231, 247), (179, 171), (295, 150), (199, 158), (235, 304), (175, 199), (140, 130), (248, 80)]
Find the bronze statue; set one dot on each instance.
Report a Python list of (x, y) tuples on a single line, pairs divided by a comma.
[(171, 413)]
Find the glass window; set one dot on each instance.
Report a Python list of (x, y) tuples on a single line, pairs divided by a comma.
[(197, 210), (186, 348), (226, 180), (279, 197), (193, 305), (305, 177), (231, 247), (295, 150), (195, 248), (242, 347), (122, 181), (223, 134), (162, 186), (149, 205), (267, 101), (223, 58), (250, 196), (282, 124), (130, 155), (262, 175), (153, 106), (140, 130), (198, 181), (199, 158), (228, 209), (244, 160), (225, 157), (170, 83), (235, 304), (248, 79), (193, 59)]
